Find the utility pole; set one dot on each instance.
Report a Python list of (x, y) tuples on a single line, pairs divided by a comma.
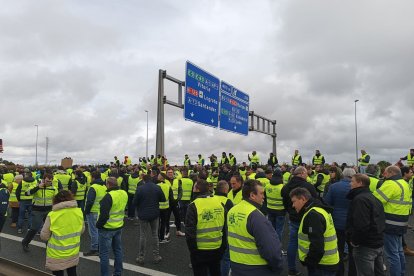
[(47, 149), (356, 134), (37, 137)]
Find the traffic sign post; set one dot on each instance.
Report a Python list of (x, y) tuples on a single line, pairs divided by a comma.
[(234, 109), (201, 96)]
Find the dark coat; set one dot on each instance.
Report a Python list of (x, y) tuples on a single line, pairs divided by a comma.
[(147, 201), (314, 225), (366, 219), (295, 182)]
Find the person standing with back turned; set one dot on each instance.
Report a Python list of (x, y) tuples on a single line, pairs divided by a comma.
[(110, 223)]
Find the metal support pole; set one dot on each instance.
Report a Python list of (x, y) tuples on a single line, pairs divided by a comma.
[(47, 149), (356, 134), (160, 114), (146, 148), (37, 137)]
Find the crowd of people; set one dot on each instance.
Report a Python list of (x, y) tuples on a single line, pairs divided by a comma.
[(232, 215)]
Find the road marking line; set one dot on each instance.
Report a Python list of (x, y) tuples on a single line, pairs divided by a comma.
[(127, 266)]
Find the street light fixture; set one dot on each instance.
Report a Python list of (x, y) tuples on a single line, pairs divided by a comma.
[(146, 152), (356, 134), (37, 137)]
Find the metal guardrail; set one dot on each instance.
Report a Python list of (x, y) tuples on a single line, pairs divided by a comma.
[(11, 268)]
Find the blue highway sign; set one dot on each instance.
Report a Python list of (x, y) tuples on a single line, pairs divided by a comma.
[(201, 96), (234, 114)]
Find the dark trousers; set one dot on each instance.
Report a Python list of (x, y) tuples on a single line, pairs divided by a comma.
[(2, 221), (38, 217), (131, 207), (14, 214), (176, 211), (340, 234), (164, 215), (351, 263), (71, 271), (183, 209), (206, 264)]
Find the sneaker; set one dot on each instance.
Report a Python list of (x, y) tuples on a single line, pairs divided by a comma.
[(284, 252), (157, 259), (13, 225), (19, 231), (294, 273), (139, 260), (190, 266), (91, 253), (384, 267), (180, 234), (167, 236), (172, 225), (130, 218), (164, 241), (25, 247)]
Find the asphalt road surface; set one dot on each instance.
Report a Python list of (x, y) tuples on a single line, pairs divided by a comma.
[(175, 254)]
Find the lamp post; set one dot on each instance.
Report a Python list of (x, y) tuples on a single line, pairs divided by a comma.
[(146, 152), (37, 137), (356, 134)]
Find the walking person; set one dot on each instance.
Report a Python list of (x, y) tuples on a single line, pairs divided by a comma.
[(110, 223), (25, 199), (62, 230), (147, 201), (164, 209)]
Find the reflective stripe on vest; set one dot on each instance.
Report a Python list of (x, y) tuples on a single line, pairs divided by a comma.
[(362, 163), (100, 192), (66, 226), (117, 212), (26, 186), (410, 159), (44, 197), (132, 184), (242, 245), (187, 184), (331, 255), (13, 197), (210, 223), (174, 187), (317, 160), (64, 180), (274, 197), (395, 195), (235, 199), (165, 187), (373, 182), (295, 160), (80, 192), (286, 177)]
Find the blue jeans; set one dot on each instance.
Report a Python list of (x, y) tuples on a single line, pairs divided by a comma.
[(108, 240), (225, 263), (23, 206), (293, 245), (320, 272), (395, 255), (278, 223), (92, 218)]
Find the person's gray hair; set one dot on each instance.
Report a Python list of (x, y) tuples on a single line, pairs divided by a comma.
[(372, 169), (18, 177), (112, 181), (300, 170), (348, 172), (222, 185)]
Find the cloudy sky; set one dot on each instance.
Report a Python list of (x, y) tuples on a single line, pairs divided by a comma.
[(85, 71)]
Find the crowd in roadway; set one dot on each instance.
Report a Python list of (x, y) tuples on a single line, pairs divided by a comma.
[(231, 215)]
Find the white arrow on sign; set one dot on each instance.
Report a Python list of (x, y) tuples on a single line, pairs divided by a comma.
[(235, 127), (192, 114), (212, 121)]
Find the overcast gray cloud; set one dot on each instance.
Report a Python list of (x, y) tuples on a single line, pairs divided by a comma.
[(85, 71)]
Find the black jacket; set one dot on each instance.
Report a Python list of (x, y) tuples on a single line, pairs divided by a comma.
[(366, 219), (147, 200), (105, 208), (191, 230), (295, 182), (314, 225)]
